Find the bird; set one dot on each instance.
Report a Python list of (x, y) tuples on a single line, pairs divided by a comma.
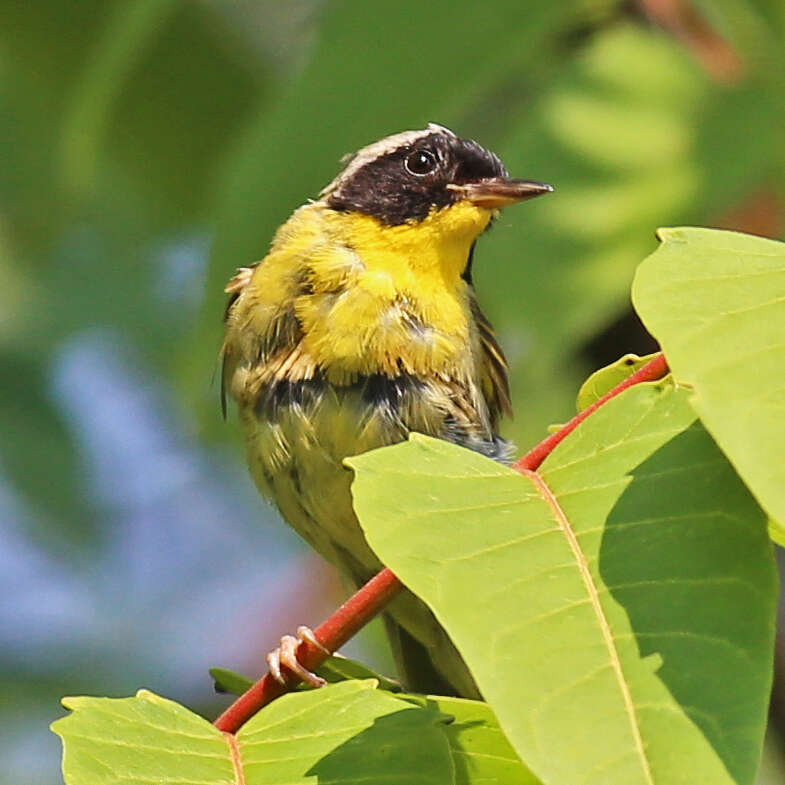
[(360, 326)]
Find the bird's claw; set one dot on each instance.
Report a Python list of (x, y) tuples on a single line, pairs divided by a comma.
[(307, 634), (286, 655)]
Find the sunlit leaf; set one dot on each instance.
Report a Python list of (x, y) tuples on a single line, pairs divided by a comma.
[(616, 610), (605, 379), (341, 734), (716, 302), (225, 680), (140, 739), (352, 732)]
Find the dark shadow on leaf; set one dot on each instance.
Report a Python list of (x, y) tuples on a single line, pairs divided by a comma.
[(406, 747), (480, 750), (685, 552), (454, 731)]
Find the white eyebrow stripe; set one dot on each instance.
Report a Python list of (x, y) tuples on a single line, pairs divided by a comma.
[(378, 149)]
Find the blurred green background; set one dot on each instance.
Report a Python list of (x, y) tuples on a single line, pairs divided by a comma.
[(150, 147)]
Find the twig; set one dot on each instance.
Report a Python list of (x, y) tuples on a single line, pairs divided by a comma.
[(656, 368), (346, 622)]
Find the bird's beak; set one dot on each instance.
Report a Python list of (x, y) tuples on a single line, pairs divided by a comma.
[(496, 192)]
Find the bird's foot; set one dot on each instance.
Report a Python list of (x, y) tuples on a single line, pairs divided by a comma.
[(286, 655)]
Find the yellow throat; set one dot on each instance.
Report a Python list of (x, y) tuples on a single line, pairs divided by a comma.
[(373, 298)]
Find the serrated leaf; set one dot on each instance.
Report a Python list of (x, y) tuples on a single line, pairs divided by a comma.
[(605, 379), (479, 748), (716, 302), (140, 740), (616, 610), (341, 733)]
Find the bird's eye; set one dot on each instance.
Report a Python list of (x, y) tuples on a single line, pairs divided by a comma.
[(420, 162)]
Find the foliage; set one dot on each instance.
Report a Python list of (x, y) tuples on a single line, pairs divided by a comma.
[(154, 146), (602, 381), (715, 301), (135, 128), (577, 612), (343, 733), (616, 607)]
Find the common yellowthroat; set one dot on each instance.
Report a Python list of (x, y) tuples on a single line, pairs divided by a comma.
[(361, 325)]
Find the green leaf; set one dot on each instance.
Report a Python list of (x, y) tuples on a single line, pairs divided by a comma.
[(343, 733), (616, 610), (347, 732), (605, 379), (777, 533), (140, 740), (480, 750), (335, 669), (231, 682), (716, 302)]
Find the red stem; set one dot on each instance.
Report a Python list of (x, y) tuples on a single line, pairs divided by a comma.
[(654, 369), (346, 622), (361, 607)]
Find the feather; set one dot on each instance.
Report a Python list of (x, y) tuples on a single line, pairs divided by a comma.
[(496, 384)]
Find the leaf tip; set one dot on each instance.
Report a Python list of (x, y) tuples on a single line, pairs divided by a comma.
[(72, 702), (353, 462), (670, 234)]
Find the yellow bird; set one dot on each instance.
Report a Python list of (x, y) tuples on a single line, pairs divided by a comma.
[(360, 326)]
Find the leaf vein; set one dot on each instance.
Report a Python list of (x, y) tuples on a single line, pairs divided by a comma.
[(607, 633)]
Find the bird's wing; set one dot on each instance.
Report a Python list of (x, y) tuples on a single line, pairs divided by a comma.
[(234, 289), (495, 384)]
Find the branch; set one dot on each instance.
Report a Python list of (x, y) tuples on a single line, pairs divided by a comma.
[(344, 624), (361, 607), (653, 370)]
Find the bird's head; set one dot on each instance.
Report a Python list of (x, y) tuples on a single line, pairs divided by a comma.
[(413, 176)]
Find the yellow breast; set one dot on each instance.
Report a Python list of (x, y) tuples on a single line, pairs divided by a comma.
[(371, 298)]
